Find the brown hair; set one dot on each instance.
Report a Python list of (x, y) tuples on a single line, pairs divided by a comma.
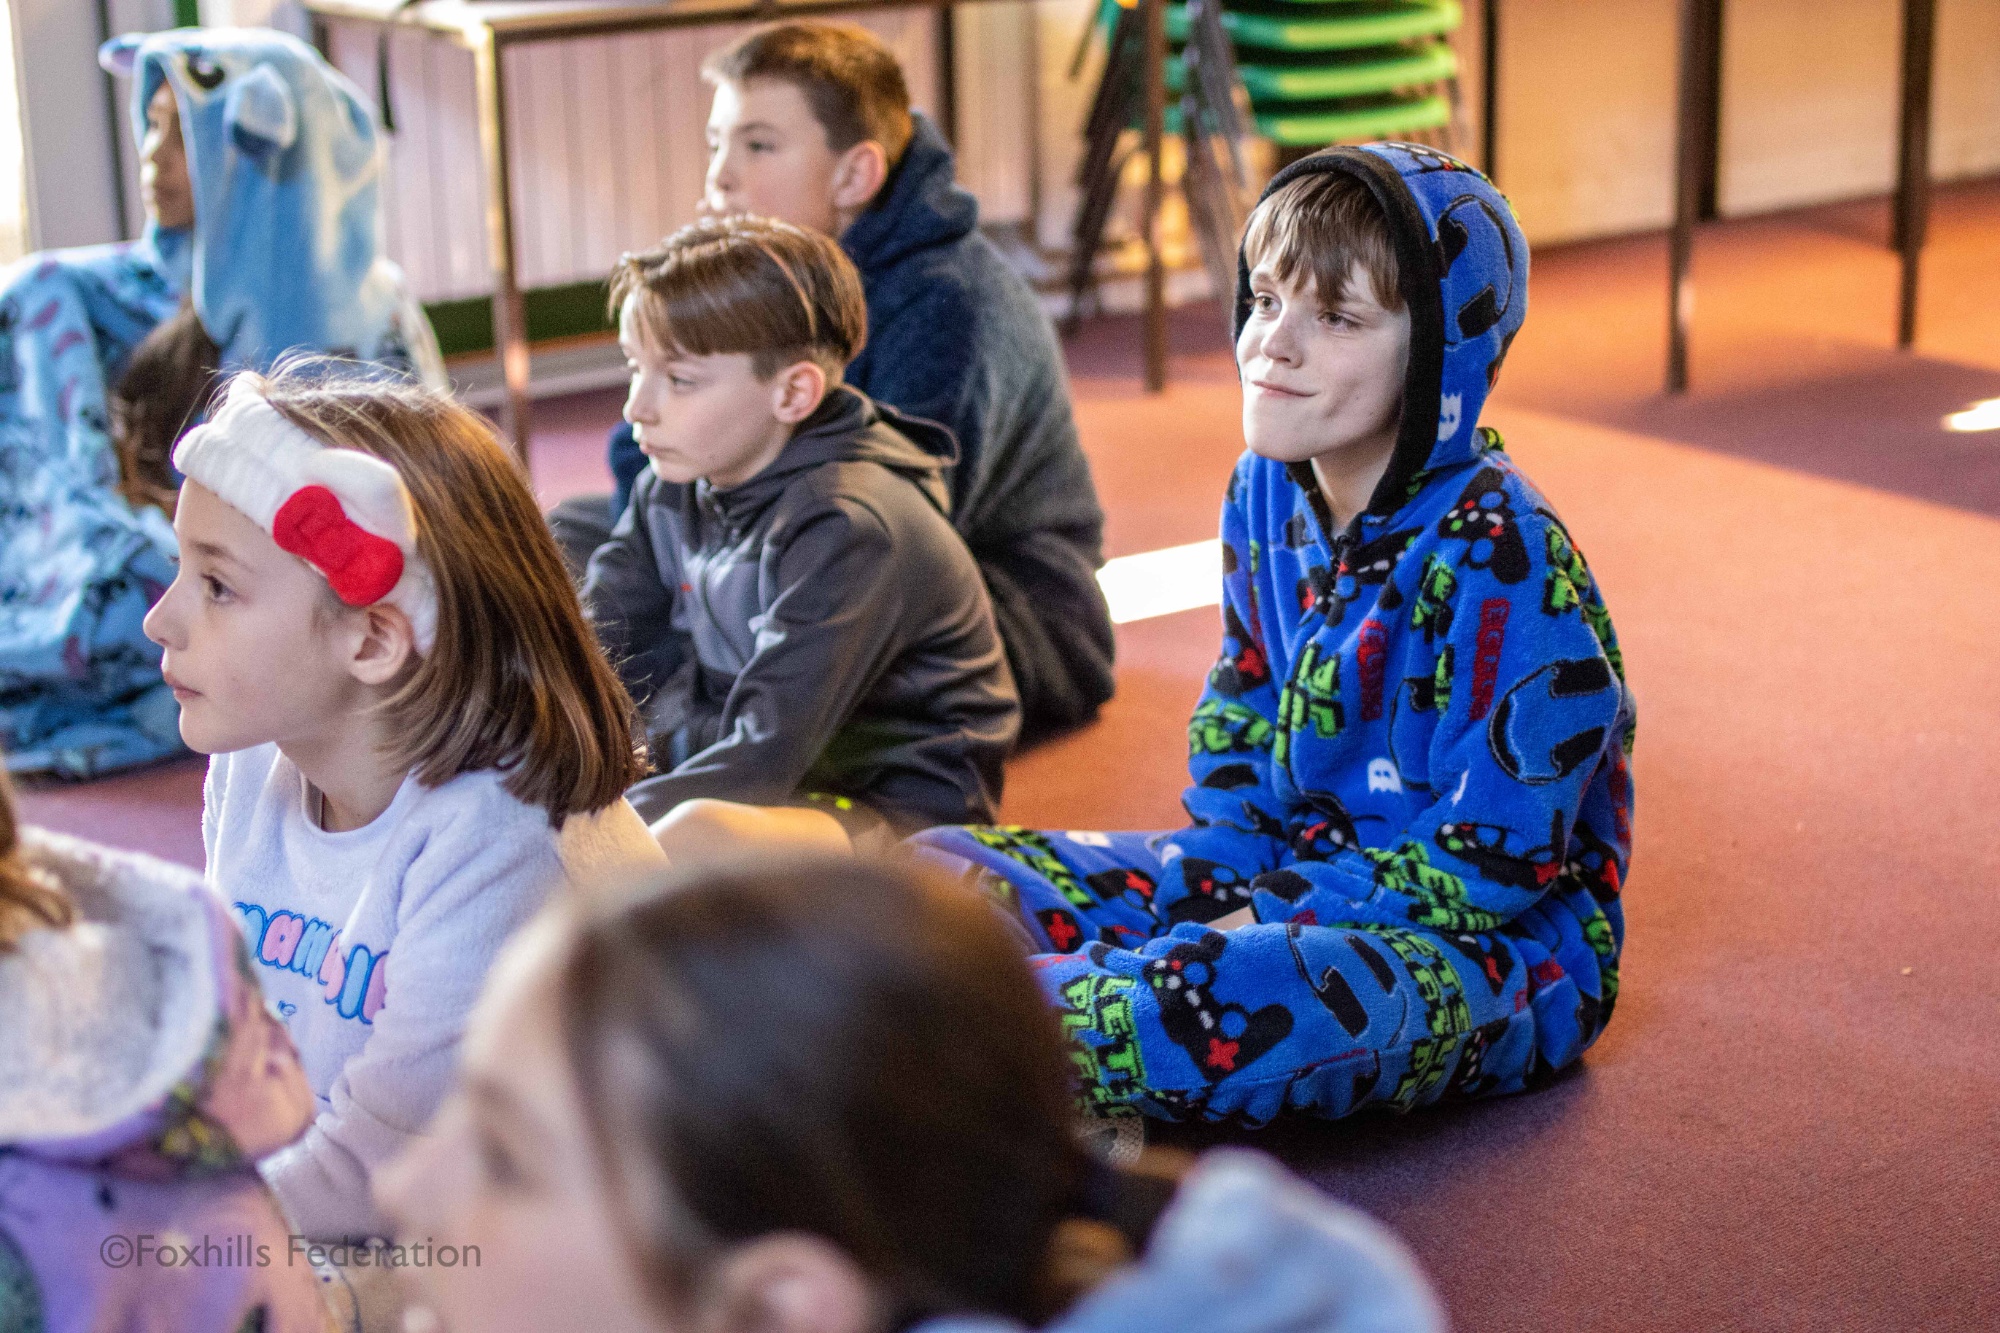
[(748, 284), (833, 1047), (515, 679), (1322, 224), (160, 393), (849, 78), (27, 899)]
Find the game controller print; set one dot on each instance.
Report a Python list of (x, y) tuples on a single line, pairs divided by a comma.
[(1325, 831), (1221, 1039), (1483, 518), (1484, 847), (1213, 890), (1247, 668), (1133, 888), (1593, 863)]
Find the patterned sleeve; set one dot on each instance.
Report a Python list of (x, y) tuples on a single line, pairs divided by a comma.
[(1238, 820)]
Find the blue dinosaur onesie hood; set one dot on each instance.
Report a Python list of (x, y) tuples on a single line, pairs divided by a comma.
[(283, 155), (1464, 266), (285, 254)]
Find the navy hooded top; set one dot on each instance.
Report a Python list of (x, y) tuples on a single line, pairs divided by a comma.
[(956, 337)]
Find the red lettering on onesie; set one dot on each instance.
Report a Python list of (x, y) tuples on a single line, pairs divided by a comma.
[(1486, 667), (1374, 658)]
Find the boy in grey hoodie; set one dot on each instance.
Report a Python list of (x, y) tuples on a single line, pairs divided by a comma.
[(812, 123), (786, 596)]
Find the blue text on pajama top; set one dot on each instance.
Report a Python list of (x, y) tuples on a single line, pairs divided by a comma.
[(354, 982)]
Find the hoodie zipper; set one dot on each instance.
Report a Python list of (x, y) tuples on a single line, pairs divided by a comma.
[(1337, 544)]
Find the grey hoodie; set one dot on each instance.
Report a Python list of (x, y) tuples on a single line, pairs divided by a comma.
[(1245, 1247), (820, 628)]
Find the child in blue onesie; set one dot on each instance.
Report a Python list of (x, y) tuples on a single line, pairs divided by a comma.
[(1412, 802)]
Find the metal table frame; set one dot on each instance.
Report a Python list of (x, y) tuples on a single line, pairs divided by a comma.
[(1697, 127), (487, 27), (1697, 155)]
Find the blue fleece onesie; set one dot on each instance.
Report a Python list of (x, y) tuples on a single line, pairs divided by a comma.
[(285, 254), (1411, 762)]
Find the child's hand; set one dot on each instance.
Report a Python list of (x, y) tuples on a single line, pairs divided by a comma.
[(258, 1091), (705, 829)]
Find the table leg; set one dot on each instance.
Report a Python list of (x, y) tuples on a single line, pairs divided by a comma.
[(1156, 133), (510, 329), (1695, 127), (944, 50), (1913, 157), (1489, 89)]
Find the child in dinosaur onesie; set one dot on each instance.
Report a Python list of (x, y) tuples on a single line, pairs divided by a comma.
[(259, 166), (1411, 804)]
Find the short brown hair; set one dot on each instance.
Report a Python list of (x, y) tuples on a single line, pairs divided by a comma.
[(515, 680), (850, 79), (1322, 224), (748, 284), (850, 1050)]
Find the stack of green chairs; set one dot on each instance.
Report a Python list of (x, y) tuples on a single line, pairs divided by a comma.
[(1206, 97), (1315, 72), (1337, 71)]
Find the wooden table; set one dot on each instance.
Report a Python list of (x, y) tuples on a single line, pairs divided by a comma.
[(486, 27)]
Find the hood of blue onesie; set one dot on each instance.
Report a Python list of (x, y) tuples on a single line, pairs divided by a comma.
[(285, 161), (1464, 266)]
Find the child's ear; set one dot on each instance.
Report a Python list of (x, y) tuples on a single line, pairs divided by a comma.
[(858, 175), (383, 645), (788, 1282), (797, 390)]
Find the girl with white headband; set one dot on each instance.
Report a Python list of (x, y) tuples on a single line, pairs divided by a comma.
[(415, 736)]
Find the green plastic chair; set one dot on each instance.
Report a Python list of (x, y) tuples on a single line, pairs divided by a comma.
[(1327, 25), (1332, 71), (1310, 124), (1340, 120), (1278, 76), (1315, 72)]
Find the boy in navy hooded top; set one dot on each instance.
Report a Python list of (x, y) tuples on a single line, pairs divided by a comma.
[(1412, 804), (812, 124)]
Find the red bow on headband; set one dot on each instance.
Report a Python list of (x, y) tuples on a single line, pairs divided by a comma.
[(360, 567)]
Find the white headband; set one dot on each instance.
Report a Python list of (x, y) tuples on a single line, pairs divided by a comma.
[(345, 513)]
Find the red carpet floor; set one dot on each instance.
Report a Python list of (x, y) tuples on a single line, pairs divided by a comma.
[(1794, 1119)]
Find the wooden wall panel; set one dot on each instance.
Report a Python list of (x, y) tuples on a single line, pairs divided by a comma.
[(997, 78), (1808, 102), (1586, 103)]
